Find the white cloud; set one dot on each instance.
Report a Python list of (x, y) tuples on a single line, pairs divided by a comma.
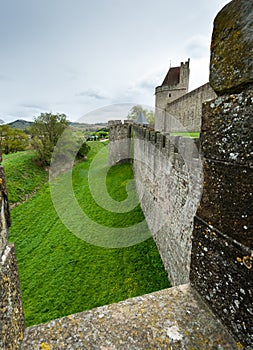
[(73, 59), (197, 46)]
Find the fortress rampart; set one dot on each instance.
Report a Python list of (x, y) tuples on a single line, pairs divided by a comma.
[(209, 244), (184, 113), (197, 198), (11, 312)]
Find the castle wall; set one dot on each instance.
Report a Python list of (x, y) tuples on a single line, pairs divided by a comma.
[(222, 250), (11, 312), (168, 180), (120, 142), (222, 255), (184, 113)]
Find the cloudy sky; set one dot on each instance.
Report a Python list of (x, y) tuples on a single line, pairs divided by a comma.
[(75, 56)]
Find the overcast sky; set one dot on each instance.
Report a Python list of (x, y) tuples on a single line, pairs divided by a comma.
[(74, 56)]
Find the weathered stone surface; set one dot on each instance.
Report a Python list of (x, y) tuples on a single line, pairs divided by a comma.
[(231, 65), (227, 199), (11, 312), (173, 318), (168, 182), (120, 142), (227, 128), (184, 113), (222, 272)]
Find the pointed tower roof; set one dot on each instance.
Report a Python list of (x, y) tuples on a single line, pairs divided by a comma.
[(141, 119), (173, 77)]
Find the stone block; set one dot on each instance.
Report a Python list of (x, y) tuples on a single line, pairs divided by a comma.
[(11, 312), (227, 128), (227, 199), (231, 64), (221, 271)]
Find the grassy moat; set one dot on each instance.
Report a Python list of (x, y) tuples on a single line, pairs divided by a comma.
[(61, 274)]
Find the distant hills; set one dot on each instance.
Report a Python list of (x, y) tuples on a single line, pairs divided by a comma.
[(23, 124), (20, 124)]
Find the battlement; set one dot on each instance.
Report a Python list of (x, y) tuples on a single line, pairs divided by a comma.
[(188, 147), (197, 199)]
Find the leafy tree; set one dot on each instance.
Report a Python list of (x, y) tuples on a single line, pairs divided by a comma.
[(12, 140), (135, 110), (72, 146), (46, 130)]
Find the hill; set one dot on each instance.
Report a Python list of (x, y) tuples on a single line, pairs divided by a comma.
[(20, 124), (23, 124)]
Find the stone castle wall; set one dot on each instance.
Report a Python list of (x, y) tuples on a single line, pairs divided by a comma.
[(222, 251), (218, 245), (11, 311), (212, 247), (184, 113), (168, 180), (120, 141)]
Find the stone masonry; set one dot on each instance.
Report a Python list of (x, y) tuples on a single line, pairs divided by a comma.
[(211, 246), (168, 179), (120, 142), (11, 312), (222, 255), (217, 248)]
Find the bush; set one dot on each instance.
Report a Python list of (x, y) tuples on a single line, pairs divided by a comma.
[(12, 140)]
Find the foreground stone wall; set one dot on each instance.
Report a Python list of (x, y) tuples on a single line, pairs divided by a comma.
[(222, 252), (222, 256), (11, 312), (168, 180), (174, 318)]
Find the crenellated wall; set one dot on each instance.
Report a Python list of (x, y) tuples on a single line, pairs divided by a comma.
[(197, 197), (168, 179), (213, 246)]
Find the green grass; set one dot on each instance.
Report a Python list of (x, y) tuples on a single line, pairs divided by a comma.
[(61, 274), (23, 176), (186, 134)]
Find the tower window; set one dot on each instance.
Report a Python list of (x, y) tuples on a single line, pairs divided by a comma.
[(169, 95)]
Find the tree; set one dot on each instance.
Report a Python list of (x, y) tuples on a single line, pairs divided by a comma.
[(71, 146), (134, 112), (46, 130), (12, 140)]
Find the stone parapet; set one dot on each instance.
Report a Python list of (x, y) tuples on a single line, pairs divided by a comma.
[(172, 318), (168, 181), (11, 312)]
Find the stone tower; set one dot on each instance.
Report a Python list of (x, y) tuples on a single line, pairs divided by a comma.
[(175, 85)]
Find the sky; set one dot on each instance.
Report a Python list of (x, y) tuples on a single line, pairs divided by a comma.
[(87, 59)]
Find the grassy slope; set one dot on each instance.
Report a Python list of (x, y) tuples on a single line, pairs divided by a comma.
[(61, 274), (22, 175)]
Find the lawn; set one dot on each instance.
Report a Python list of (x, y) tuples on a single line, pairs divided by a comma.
[(186, 134), (61, 274), (23, 176)]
